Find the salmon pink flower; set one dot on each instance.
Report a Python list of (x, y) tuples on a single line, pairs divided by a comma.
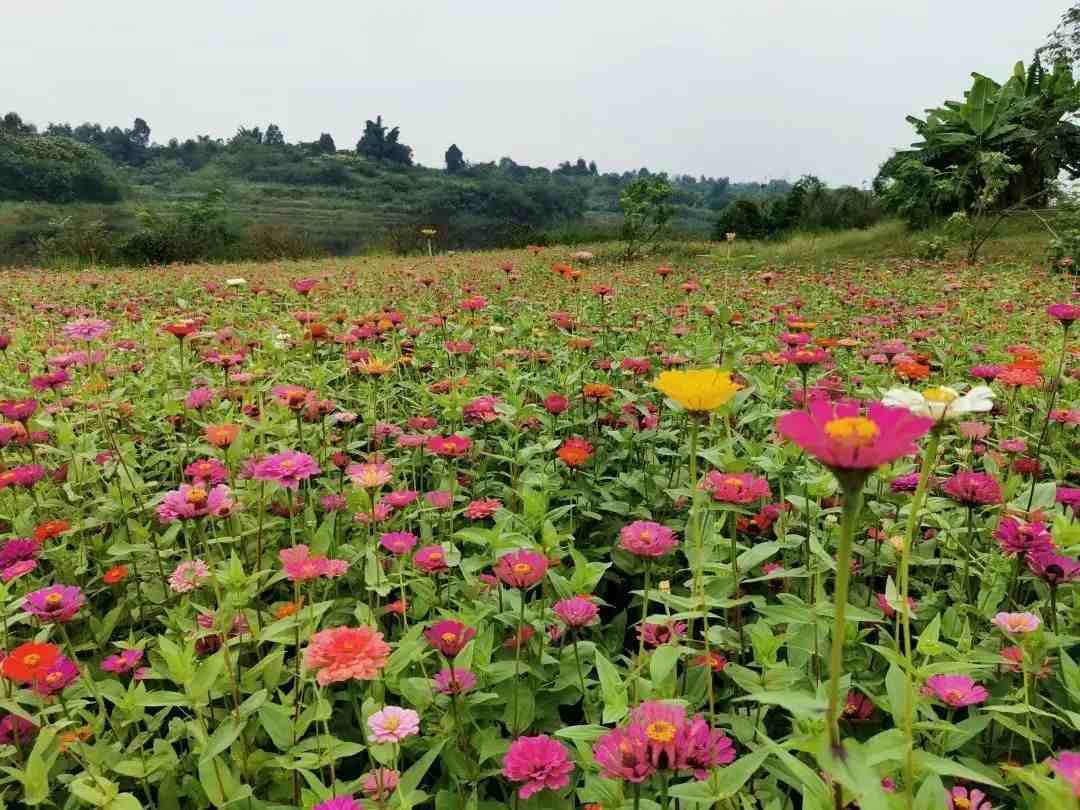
[(380, 783), (973, 489), (539, 762), (188, 576), (1016, 623), (482, 508), (738, 488), (346, 653), (370, 475), (453, 446)]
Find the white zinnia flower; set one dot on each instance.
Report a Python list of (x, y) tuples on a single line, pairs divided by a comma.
[(941, 403), (235, 282)]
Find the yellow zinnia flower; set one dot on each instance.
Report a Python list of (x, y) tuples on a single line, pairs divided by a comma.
[(703, 389)]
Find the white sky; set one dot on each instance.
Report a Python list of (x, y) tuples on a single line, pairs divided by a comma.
[(751, 89)]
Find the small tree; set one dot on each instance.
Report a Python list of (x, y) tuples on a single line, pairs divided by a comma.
[(326, 144), (274, 136), (455, 159), (647, 210)]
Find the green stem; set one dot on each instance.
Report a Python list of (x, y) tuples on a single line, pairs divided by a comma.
[(852, 507)]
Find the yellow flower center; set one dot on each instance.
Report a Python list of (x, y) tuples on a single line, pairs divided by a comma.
[(435, 556), (54, 600), (449, 637), (953, 696), (522, 568), (391, 723), (941, 395), (196, 496), (961, 803), (733, 482), (661, 731), (32, 659), (852, 431)]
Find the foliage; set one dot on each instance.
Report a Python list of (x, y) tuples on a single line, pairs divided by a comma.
[(379, 143), (53, 169), (646, 208), (455, 160), (194, 231), (1026, 121)]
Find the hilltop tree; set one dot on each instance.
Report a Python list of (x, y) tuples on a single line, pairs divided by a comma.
[(326, 144), (274, 136), (379, 143), (12, 124), (455, 160)]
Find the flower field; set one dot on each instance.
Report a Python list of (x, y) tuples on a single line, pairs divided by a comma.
[(530, 529)]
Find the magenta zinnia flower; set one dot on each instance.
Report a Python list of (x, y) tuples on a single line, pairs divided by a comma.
[(398, 542), (56, 677), (960, 798), (644, 538), (973, 489), (86, 329), (956, 691), (1067, 766), (190, 502), (623, 753), (124, 661), (57, 603), (1066, 313), (577, 611), (736, 487), (1026, 539), (449, 637), (340, 803), (431, 560), (842, 439), (454, 681), (540, 762), (287, 469), (521, 568), (1053, 568)]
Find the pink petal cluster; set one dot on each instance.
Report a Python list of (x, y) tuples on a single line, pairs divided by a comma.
[(644, 538), (346, 653), (539, 762), (190, 502), (300, 566), (736, 487)]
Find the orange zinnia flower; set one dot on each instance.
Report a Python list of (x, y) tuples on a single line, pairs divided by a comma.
[(597, 391), (221, 435)]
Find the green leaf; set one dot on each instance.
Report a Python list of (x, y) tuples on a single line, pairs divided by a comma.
[(410, 780), (277, 723), (36, 775), (946, 767), (224, 736), (930, 793), (662, 663), (612, 688)]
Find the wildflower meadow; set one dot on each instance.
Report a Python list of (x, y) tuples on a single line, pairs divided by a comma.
[(532, 529)]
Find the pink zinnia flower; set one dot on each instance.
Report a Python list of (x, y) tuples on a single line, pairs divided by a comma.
[(15, 730), (577, 611), (454, 681), (959, 798), (56, 677), (658, 633), (339, 803), (480, 509), (400, 498), (57, 603), (17, 569), (431, 560), (1066, 313), (398, 542), (439, 498), (540, 762), (521, 568), (190, 502), (449, 637), (207, 471), (287, 469), (346, 653), (622, 753), (1067, 766), (87, 329), (1054, 569), (370, 475), (393, 724), (199, 398), (188, 576), (1017, 622), (300, 566), (955, 690), (380, 783), (1016, 538), (736, 487), (973, 489), (452, 446), (644, 538), (843, 439), (124, 661)]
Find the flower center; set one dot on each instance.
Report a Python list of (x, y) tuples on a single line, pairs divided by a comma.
[(852, 431), (940, 395), (953, 696), (435, 556), (661, 731), (522, 568), (196, 496), (32, 659), (448, 637), (54, 677), (733, 482), (391, 723), (54, 600), (961, 803)]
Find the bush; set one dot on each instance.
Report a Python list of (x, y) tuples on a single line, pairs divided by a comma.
[(54, 169)]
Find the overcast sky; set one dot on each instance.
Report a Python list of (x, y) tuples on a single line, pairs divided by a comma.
[(751, 89)]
